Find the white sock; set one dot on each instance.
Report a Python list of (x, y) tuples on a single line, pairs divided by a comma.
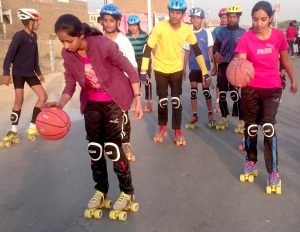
[(32, 126), (14, 128)]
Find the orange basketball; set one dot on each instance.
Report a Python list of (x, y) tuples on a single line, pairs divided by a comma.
[(240, 72), (53, 123)]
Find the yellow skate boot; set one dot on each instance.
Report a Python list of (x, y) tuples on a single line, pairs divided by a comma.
[(124, 203), (193, 123), (240, 127), (9, 139), (95, 205), (162, 132), (32, 134), (222, 124)]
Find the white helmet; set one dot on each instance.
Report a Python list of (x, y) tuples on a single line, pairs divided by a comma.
[(28, 13)]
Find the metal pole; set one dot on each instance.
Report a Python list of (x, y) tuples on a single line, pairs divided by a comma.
[(193, 3), (276, 14)]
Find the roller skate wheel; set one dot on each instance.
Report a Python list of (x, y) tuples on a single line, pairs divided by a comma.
[(98, 214), (7, 144), (278, 190), (88, 214), (113, 215), (242, 178), (236, 130), (217, 127), (268, 189), (31, 137), (1, 144), (255, 172), (183, 143), (134, 207), (133, 158), (17, 140), (187, 126), (122, 216), (107, 204), (251, 178)]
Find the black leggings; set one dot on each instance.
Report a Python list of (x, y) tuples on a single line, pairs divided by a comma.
[(104, 124), (163, 81)]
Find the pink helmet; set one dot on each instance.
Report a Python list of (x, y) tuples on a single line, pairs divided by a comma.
[(222, 11)]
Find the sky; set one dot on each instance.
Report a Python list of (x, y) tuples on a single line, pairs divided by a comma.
[(290, 9)]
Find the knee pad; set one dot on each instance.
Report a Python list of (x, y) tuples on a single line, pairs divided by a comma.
[(175, 102), (95, 151), (125, 118), (194, 92), (268, 129), (234, 95), (163, 103), (14, 117), (252, 130), (206, 93), (222, 95), (112, 151)]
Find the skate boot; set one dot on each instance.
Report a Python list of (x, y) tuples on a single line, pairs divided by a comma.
[(193, 123), (95, 205), (211, 120), (217, 107), (128, 151), (242, 145), (148, 107), (222, 124), (162, 132), (179, 139), (9, 139), (124, 203), (273, 183), (249, 172), (240, 127), (32, 134)]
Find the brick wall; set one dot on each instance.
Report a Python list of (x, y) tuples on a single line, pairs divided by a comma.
[(50, 11)]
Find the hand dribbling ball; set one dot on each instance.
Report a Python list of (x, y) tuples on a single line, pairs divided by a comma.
[(240, 72), (53, 123)]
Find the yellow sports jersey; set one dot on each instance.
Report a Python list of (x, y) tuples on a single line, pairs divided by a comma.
[(168, 44)]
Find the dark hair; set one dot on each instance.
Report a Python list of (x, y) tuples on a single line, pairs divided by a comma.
[(265, 6), (291, 23), (26, 22), (73, 27)]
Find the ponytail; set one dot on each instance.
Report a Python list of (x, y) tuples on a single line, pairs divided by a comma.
[(90, 31)]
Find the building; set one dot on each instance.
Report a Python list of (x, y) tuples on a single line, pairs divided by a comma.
[(49, 9)]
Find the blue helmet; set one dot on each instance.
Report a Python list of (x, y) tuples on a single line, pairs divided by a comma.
[(197, 11), (179, 5), (133, 19), (110, 9)]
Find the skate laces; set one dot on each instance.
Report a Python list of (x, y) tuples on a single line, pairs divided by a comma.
[(98, 195), (249, 166), (274, 177), (178, 133), (162, 129), (123, 198)]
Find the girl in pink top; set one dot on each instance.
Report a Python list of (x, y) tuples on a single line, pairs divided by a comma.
[(96, 64), (263, 45)]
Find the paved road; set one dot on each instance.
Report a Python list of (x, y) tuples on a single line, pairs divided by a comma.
[(45, 186)]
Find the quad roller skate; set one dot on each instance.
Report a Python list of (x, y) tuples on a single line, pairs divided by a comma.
[(128, 151), (179, 139), (217, 107), (193, 123), (148, 107), (222, 124), (32, 134), (95, 206), (9, 139), (240, 127), (273, 184), (249, 172), (162, 132), (242, 146), (124, 203), (211, 120)]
